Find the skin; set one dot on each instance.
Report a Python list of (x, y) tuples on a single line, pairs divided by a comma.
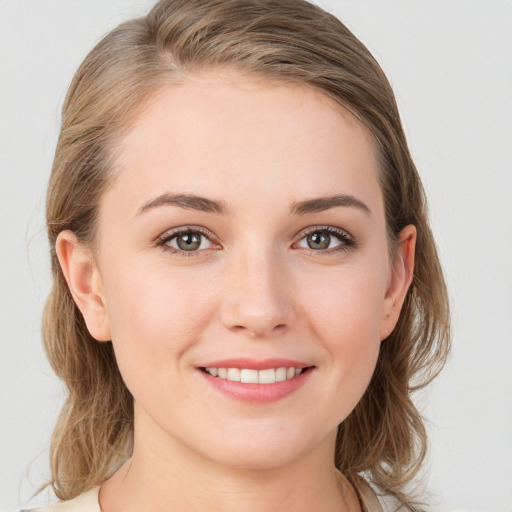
[(254, 289)]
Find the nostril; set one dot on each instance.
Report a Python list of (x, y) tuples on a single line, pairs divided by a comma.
[(259, 319), (258, 331)]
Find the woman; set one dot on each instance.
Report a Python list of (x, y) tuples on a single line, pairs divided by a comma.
[(246, 288)]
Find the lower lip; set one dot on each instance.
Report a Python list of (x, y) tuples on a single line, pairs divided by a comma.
[(257, 393)]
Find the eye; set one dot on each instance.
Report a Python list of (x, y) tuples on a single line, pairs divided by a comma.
[(327, 239), (185, 241)]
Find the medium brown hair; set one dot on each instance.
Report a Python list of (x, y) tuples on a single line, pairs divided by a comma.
[(291, 41)]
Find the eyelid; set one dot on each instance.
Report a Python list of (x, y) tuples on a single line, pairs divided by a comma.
[(349, 241), (167, 235), (323, 227)]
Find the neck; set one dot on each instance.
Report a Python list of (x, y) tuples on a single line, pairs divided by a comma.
[(178, 478)]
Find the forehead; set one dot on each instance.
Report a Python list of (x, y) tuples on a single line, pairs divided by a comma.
[(223, 134)]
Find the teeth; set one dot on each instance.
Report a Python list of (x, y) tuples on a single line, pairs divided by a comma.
[(280, 374), (233, 374), (249, 376), (267, 376)]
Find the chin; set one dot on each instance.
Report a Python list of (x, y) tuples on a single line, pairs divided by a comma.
[(266, 449), (257, 458)]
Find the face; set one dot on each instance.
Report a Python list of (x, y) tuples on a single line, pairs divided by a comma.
[(242, 269)]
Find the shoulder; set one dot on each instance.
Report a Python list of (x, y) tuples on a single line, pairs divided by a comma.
[(86, 502), (373, 502)]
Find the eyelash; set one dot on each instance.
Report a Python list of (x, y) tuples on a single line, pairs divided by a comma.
[(348, 242), (165, 238)]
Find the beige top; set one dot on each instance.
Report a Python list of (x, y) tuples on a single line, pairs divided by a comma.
[(367, 497), (88, 501)]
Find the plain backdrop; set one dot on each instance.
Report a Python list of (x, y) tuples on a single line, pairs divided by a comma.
[(450, 62)]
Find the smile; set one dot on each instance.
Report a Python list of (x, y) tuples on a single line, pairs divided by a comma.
[(252, 376), (256, 381)]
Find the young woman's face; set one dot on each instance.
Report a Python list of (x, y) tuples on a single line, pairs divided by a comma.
[(244, 237)]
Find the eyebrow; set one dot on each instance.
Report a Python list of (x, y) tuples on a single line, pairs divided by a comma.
[(203, 204), (321, 204), (187, 201)]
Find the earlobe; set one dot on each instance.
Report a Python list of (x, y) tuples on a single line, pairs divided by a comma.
[(84, 282), (401, 278)]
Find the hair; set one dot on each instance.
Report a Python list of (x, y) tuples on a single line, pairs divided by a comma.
[(290, 41)]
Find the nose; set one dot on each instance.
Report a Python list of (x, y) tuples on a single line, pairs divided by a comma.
[(257, 300)]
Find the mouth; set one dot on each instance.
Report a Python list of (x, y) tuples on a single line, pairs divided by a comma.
[(255, 381), (253, 376)]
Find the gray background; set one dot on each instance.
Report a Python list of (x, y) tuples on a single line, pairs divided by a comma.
[(451, 66)]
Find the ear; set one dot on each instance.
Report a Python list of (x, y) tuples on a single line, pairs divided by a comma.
[(401, 278), (84, 282)]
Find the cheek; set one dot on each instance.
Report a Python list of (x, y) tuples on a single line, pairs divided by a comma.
[(345, 315), (154, 318), (349, 304)]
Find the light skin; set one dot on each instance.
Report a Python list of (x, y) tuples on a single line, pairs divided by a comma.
[(272, 275)]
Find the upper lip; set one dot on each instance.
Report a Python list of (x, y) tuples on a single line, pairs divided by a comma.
[(255, 364)]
